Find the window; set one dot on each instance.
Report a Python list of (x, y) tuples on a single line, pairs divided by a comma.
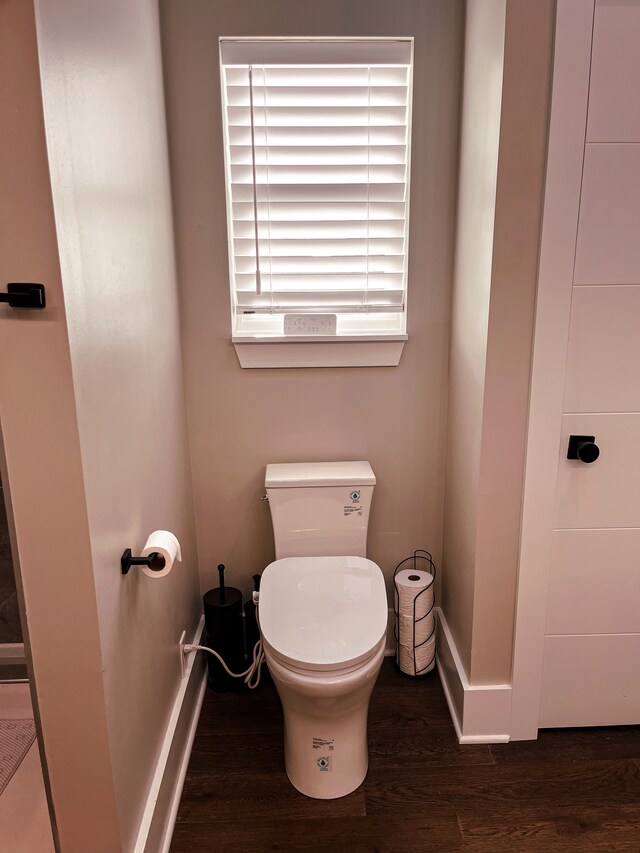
[(317, 135)]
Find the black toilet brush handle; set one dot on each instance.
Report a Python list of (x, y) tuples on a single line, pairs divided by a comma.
[(221, 574)]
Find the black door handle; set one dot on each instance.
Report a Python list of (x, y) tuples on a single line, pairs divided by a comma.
[(583, 448), (24, 296)]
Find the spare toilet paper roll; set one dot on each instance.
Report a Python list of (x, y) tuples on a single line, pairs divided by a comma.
[(417, 661), (409, 584), (165, 543), (408, 634)]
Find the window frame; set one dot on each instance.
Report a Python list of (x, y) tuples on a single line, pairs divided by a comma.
[(352, 347)]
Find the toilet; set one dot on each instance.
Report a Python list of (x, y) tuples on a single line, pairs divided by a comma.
[(323, 619)]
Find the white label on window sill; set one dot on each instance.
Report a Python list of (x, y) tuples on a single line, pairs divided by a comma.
[(310, 324)]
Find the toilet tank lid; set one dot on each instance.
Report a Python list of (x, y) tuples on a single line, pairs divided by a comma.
[(306, 474)]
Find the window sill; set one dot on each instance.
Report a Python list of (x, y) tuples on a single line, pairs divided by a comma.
[(343, 351)]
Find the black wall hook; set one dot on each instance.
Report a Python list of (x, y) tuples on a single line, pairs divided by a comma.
[(154, 561), (23, 295)]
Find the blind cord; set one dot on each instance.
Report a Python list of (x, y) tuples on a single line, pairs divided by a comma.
[(255, 183), (266, 160), (366, 286)]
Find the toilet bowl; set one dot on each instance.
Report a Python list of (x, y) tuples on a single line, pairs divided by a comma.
[(323, 623)]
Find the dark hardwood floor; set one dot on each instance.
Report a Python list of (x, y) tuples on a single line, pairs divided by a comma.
[(569, 791)]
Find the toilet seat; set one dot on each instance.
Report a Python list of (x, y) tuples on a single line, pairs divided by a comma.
[(303, 669), (323, 615)]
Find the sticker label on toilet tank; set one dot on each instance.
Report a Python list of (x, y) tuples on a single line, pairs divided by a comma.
[(323, 744), (352, 510), (354, 507), (324, 762)]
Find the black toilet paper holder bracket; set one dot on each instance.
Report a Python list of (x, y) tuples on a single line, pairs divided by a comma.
[(154, 561)]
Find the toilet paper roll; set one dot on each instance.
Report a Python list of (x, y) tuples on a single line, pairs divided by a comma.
[(409, 584), (165, 543), (424, 629), (421, 662)]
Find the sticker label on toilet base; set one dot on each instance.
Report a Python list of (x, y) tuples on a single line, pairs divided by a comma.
[(323, 744)]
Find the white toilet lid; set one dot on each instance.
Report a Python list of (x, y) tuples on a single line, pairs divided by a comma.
[(323, 612)]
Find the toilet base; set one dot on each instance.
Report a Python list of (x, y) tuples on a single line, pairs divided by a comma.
[(325, 727)]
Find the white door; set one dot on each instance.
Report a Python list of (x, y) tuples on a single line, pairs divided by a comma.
[(587, 648), (591, 663)]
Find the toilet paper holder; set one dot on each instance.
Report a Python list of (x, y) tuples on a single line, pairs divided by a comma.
[(420, 559), (154, 561)]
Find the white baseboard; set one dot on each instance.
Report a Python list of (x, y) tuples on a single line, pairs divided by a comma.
[(480, 713), (158, 820)]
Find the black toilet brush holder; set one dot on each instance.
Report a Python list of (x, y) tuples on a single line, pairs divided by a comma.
[(224, 634)]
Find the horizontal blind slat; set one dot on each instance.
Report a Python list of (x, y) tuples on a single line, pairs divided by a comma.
[(305, 116), (289, 298), (321, 265), (319, 192), (345, 246), (320, 96), (291, 155), (320, 174), (299, 75), (318, 211), (317, 229), (320, 281), (328, 137)]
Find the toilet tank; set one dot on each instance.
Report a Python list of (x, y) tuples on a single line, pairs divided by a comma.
[(320, 509)]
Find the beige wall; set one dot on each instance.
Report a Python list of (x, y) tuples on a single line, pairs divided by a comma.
[(108, 385), (492, 323), (43, 474), (242, 419), (479, 136)]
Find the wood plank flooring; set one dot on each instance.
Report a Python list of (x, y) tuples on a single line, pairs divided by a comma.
[(571, 791)]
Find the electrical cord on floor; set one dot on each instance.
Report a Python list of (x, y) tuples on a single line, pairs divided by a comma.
[(252, 675)]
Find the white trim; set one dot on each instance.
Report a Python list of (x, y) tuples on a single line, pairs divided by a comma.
[(309, 50), (181, 774), (480, 713), (574, 25), (338, 353), (158, 819)]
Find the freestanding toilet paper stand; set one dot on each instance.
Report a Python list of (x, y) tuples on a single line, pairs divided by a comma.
[(420, 560)]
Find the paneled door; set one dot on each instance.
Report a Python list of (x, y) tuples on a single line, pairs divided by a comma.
[(591, 664), (587, 648)]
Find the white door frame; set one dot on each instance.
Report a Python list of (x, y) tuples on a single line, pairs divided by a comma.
[(545, 443)]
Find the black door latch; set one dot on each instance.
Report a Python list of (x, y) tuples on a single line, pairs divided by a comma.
[(24, 296), (583, 448)]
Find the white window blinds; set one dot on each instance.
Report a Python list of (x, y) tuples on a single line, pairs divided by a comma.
[(317, 157)]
